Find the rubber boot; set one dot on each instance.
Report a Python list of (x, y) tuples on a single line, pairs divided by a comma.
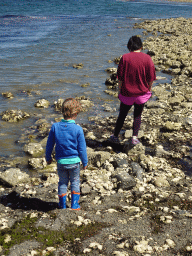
[(62, 201), (75, 200)]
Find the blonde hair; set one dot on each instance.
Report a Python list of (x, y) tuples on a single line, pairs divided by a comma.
[(70, 107)]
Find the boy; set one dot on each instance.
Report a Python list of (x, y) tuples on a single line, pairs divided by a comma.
[(70, 149)]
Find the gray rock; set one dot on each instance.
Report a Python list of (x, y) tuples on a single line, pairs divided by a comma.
[(14, 116), (134, 151), (85, 189), (161, 182), (37, 163), (13, 176), (24, 248), (172, 126), (137, 170), (7, 95), (125, 181), (42, 103), (33, 148), (155, 104), (98, 157)]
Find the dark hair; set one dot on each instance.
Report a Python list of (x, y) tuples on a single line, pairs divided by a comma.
[(70, 107), (134, 43)]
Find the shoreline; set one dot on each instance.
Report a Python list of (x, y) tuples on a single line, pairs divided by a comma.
[(134, 200)]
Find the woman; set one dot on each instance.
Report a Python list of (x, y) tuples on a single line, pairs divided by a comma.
[(136, 73)]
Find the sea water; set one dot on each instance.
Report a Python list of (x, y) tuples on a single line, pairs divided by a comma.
[(40, 41)]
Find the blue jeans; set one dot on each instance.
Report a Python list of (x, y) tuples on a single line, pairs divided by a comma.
[(68, 172)]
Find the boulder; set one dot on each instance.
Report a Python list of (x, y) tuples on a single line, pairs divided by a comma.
[(13, 116), (33, 148), (176, 100), (7, 95), (125, 181), (172, 126), (134, 151), (161, 182), (137, 170), (42, 103), (78, 66), (37, 163), (98, 158), (58, 104), (13, 176)]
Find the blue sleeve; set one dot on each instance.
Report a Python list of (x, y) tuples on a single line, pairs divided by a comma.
[(82, 150), (50, 144)]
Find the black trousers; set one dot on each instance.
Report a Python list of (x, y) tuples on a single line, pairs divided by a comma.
[(124, 109)]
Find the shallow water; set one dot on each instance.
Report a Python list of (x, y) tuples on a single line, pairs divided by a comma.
[(40, 42)]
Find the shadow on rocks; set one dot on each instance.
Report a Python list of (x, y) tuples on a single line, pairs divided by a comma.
[(15, 201), (117, 147)]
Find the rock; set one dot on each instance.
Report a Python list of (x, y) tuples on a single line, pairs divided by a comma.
[(125, 181), (42, 103), (85, 85), (78, 66), (155, 104), (98, 156), (188, 120), (175, 101), (14, 116), (134, 151), (58, 104), (161, 182), (85, 189), (142, 247), (159, 151), (37, 163), (85, 102), (7, 95), (33, 149), (13, 177), (170, 243), (111, 70), (137, 170), (172, 126), (91, 136)]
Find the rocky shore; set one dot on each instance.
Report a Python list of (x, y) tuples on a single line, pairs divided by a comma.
[(134, 200)]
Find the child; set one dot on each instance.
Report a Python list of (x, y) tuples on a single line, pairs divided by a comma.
[(70, 149)]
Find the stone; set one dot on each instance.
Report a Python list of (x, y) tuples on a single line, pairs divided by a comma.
[(78, 66), (33, 148), (13, 176), (125, 181), (176, 100), (155, 104), (161, 182), (42, 103), (172, 126), (134, 151), (7, 95), (58, 104), (170, 243), (37, 163), (137, 170), (14, 116), (85, 189), (111, 70)]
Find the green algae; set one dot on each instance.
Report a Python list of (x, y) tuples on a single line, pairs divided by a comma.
[(25, 230)]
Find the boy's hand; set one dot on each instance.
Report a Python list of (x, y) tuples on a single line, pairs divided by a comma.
[(85, 167), (50, 161)]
